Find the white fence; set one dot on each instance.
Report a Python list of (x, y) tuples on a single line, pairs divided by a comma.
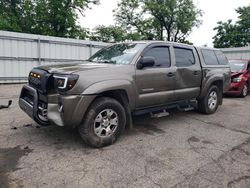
[(237, 53), (20, 52)]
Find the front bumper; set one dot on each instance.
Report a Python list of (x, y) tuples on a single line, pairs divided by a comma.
[(235, 88), (29, 103), (56, 109)]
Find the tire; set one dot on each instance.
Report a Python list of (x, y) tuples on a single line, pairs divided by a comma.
[(103, 123), (209, 103), (244, 91)]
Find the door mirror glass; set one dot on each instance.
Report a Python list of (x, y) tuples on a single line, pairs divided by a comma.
[(147, 61)]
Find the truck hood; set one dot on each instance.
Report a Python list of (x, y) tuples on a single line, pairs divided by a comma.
[(92, 73), (70, 68)]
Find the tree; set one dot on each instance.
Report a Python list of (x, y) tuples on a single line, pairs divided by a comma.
[(108, 34), (154, 18), (231, 34), (10, 15), (131, 16), (46, 17), (113, 34)]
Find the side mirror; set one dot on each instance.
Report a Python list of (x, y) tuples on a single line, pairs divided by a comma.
[(146, 62)]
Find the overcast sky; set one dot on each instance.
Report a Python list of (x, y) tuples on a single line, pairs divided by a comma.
[(213, 11)]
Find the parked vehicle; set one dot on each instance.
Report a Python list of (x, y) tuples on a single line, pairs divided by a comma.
[(240, 78), (100, 95)]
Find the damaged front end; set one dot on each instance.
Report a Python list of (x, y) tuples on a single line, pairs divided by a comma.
[(33, 99), (45, 99)]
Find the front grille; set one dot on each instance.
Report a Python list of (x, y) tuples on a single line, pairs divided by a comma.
[(41, 80), (35, 81)]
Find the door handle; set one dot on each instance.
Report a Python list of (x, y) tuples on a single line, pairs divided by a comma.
[(195, 73), (170, 74)]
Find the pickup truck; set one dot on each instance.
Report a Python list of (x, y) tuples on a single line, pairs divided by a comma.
[(99, 96)]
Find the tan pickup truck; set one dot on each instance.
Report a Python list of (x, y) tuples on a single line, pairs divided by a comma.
[(100, 95)]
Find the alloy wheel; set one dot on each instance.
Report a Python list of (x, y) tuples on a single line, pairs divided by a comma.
[(106, 123), (212, 100)]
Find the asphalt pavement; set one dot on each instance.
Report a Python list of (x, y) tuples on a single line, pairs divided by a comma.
[(184, 149)]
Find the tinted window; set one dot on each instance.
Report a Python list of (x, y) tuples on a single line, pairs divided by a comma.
[(209, 57), (221, 57), (161, 55), (184, 57)]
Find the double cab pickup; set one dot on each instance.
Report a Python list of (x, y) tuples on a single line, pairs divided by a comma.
[(100, 95)]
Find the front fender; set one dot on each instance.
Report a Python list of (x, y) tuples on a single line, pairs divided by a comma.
[(109, 85)]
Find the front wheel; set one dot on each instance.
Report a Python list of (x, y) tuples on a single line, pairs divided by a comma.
[(244, 91), (103, 123), (209, 103)]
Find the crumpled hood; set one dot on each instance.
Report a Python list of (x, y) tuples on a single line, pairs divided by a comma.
[(235, 74), (70, 68)]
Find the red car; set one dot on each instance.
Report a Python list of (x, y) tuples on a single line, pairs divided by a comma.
[(240, 77)]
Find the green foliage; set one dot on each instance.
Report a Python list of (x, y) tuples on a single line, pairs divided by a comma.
[(231, 34), (9, 15), (46, 17), (158, 19), (108, 34), (131, 16), (136, 19), (113, 34)]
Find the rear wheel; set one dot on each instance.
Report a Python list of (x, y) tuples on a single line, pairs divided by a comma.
[(209, 103), (103, 123), (244, 90)]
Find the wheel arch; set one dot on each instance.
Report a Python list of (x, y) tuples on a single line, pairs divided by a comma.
[(217, 82), (248, 84), (111, 86), (122, 97)]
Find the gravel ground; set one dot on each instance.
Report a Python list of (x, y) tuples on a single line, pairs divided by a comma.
[(185, 149)]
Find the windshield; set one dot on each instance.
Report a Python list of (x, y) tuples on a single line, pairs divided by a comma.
[(117, 54), (237, 66)]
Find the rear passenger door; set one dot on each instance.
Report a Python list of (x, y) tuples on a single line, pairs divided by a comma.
[(188, 73)]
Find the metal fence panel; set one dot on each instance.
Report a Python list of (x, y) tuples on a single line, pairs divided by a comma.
[(20, 52), (237, 53)]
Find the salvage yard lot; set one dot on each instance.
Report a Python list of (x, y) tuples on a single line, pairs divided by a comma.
[(185, 149)]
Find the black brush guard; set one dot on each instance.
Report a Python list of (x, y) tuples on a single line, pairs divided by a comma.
[(29, 102), (29, 99)]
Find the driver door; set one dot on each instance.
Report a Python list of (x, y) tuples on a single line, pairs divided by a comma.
[(155, 85)]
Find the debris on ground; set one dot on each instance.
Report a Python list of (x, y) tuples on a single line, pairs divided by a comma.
[(6, 106)]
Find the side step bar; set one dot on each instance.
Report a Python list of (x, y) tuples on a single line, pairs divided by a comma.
[(159, 114), (162, 110)]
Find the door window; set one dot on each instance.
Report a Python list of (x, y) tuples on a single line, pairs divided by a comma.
[(209, 57), (184, 57), (161, 55), (221, 57)]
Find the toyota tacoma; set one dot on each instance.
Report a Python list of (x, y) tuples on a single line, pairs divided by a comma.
[(100, 95)]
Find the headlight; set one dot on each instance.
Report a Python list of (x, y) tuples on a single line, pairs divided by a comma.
[(237, 79), (65, 82)]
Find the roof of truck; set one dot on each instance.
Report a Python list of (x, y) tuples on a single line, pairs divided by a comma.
[(167, 42)]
